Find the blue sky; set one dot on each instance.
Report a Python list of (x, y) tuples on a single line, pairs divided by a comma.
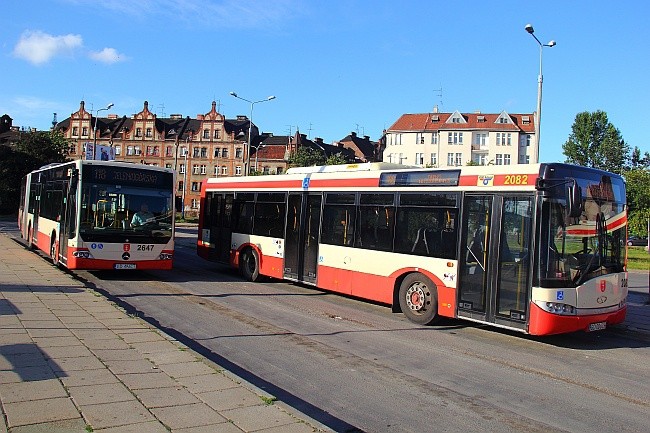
[(334, 66)]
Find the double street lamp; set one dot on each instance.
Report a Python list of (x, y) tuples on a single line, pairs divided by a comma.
[(538, 117), (250, 127), (108, 107)]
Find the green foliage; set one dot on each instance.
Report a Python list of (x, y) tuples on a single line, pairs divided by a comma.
[(34, 150), (336, 159), (306, 157), (595, 142)]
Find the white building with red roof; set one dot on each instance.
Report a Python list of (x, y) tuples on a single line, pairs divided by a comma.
[(453, 139)]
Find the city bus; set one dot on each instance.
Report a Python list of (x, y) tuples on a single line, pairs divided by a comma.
[(96, 215), (536, 248)]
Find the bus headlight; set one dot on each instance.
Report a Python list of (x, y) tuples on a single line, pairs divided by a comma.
[(557, 308)]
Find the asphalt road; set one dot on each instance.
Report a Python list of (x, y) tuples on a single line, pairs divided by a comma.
[(356, 366)]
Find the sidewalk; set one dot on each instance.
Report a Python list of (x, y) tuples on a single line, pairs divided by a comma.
[(71, 361)]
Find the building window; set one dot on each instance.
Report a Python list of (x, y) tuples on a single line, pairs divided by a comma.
[(181, 169), (481, 139), (130, 150), (419, 138), (217, 152), (149, 150), (450, 138), (216, 134), (204, 152), (509, 139), (84, 131), (224, 153), (75, 131), (224, 170), (279, 170), (196, 152), (216, 170), (434, 159), (148, 133), (195, 203), (195, 169), (460, 138), (459, 159), (238, 170), (138, 132), (206, 133), (266, 169), (168, 166), (204, 169), (183, 151), (138, 151), (118, 150), (499, 159), (238, 152), (434, 138), (195, 186), (450, 159), (419, 158), (72, 149), (180, 185), (156, 151), (506, 159)]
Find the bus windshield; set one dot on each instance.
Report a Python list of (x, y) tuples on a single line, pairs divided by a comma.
[(111, 213), (575, 249)]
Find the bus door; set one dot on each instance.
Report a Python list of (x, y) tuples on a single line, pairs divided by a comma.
[(35, 207), (301, 237), (69, 215), (495, 263)]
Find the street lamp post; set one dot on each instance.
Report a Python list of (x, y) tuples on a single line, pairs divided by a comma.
[(540, 79), (257, 151), (250, 127), (108, 107), (184, 187)]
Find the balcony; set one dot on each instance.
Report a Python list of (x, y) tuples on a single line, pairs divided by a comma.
[(480, 148)]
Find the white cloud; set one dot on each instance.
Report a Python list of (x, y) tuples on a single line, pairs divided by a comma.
[(108, 56), (38, 47)]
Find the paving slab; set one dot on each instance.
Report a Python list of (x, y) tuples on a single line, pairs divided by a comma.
[(165, 397), (40, 411), (189, 415), (116, 414), (101, 393), (253, 418), (26, 391)]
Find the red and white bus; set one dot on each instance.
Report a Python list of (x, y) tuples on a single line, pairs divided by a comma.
[(538, 248), (100, 215)]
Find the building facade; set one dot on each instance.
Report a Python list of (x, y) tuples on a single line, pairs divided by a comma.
[(453, 139), (208, 145)]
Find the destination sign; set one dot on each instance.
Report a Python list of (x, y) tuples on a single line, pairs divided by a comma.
[(420, 178), (126, 176)]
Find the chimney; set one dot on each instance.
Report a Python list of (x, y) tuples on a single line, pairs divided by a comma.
[(366, 137), (435, 108), (353, 134)]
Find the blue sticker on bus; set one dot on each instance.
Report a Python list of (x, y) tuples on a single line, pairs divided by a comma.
[(93, 246), (305, 183), (100, 246), (560, 295)]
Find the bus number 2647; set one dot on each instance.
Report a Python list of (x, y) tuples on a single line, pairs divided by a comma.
[(145, 247)]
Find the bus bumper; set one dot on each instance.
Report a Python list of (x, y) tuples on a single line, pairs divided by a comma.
[(544, 323)]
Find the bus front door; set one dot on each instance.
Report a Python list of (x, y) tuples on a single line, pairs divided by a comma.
[(494, 262), (301, 237)]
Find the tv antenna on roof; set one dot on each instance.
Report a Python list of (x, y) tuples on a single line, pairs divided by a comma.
[(439, 95)]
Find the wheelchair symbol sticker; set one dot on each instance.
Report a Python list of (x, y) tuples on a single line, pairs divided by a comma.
[(560, 295)]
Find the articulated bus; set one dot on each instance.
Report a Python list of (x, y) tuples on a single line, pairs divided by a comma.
[(537, 248), (100, 215)]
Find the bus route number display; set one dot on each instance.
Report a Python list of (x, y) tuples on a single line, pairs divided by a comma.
[(126, 176)]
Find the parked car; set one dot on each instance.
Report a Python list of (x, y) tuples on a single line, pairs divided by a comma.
[(637, 241)]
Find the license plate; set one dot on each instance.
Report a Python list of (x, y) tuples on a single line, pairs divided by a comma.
[(598, 326), (125, 266)]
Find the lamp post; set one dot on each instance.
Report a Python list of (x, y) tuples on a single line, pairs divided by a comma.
[(184, 187), (250, 127), (540, 79), (257, 151), (108, 107)]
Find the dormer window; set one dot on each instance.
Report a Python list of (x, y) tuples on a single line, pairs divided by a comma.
[(480, 119)]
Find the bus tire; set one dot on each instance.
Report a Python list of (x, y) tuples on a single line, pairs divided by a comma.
[(418, 299), (54, 251), (250, 265)]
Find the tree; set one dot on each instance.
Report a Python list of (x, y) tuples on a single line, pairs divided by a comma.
[(638, 200), (32, 151), (595, 142)]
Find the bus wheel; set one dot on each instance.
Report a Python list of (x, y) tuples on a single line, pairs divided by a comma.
[(250, 265), (54, 252), (418, 299)]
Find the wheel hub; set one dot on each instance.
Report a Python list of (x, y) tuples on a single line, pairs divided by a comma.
[(416, 297)]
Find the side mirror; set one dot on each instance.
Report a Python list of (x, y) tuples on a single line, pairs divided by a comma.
[(574, 200)]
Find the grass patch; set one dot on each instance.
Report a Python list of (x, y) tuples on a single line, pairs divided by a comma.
[(268, 400), (638, 258)]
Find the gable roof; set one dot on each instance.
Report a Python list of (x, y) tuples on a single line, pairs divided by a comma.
[(431, 122)]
